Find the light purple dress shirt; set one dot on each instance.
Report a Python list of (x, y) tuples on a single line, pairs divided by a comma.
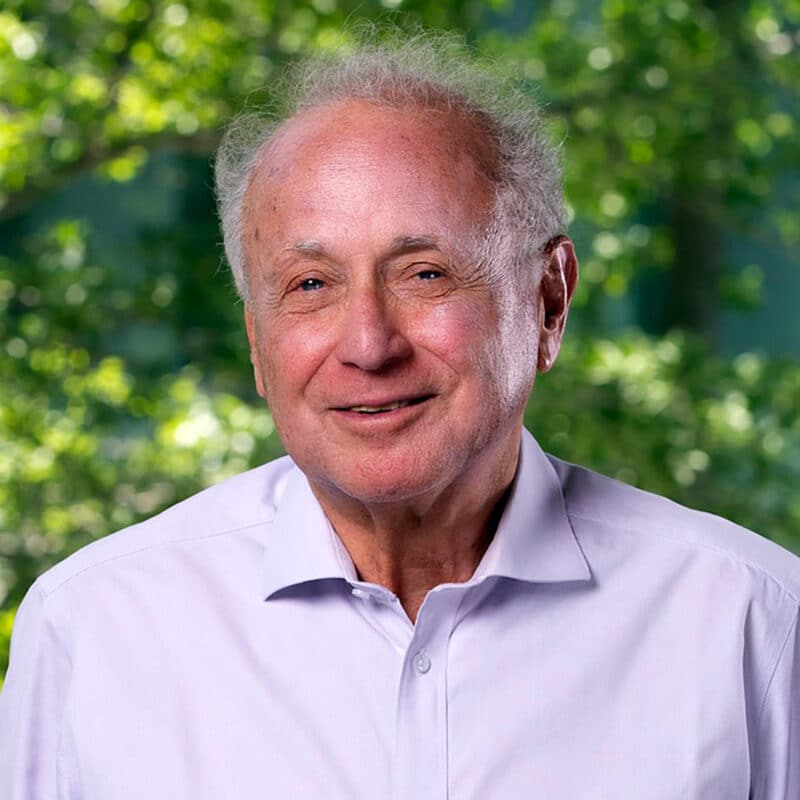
[(611, 645)]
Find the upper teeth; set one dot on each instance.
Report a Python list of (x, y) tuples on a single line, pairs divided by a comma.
[(375, 409)]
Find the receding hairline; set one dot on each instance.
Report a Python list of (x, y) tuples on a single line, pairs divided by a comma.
[(273, 163), (432, 71), (475, 140)]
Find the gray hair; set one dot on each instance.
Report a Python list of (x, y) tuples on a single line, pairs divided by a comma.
[(429, 71)]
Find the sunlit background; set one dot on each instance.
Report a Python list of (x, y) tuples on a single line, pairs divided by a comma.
[(124, 376)]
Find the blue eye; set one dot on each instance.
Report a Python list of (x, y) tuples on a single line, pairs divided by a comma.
[(429, 274), (311, 284)]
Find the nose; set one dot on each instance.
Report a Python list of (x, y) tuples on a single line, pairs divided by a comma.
[(371, 336)]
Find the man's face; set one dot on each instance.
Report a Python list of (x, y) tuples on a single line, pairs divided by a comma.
[(389, 357)]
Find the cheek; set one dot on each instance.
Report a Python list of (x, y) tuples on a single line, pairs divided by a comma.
[(452, 330), (518, 346), (465, 337), (290, 356), (504, 350)]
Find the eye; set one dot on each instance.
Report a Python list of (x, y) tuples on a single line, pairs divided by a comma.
[(311, 284), (425, 279)]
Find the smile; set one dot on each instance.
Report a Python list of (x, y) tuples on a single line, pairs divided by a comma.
[(383, 408)]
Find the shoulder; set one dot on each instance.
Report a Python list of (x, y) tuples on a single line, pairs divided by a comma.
[(227, 509), (607, 507)]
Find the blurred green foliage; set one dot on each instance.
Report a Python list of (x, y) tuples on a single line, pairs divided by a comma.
[(124, 375)]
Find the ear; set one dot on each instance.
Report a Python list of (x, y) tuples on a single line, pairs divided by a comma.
[(252, 337), (557, 286)]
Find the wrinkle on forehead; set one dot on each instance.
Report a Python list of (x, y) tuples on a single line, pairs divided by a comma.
[(436, 141), (340, 158)]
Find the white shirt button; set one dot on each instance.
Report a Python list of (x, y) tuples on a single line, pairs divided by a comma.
[(421, 662)]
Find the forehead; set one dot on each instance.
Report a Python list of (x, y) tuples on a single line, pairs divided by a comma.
[(394, 166)]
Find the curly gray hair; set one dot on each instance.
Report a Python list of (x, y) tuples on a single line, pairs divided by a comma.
[(428, 71)]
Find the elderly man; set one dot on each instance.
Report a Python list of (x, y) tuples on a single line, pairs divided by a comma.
[(418, 602)]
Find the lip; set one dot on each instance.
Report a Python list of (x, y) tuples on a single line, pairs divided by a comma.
[(405, 401), (383, 420)]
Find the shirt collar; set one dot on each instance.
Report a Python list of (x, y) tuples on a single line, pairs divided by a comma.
[(301, 545), (534, 541)]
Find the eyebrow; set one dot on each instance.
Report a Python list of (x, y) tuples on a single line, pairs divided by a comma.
[(407, 244), (307, 248)]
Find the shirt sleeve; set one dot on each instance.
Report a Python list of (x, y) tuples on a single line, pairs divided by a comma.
[(776, 768), (32, 703)]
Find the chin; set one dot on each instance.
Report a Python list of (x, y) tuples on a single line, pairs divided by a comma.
[(377, 489), (393, 475)]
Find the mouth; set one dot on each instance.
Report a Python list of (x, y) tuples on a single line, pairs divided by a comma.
[(385, 408)]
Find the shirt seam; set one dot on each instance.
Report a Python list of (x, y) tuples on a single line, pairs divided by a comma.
[(71, 766), (59, 635), (703, 545), (781, 652), (150, 546)]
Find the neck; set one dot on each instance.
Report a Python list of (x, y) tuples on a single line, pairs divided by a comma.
[(411, 546)]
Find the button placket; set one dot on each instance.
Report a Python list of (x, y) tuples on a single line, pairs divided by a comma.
[(421, 745)]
